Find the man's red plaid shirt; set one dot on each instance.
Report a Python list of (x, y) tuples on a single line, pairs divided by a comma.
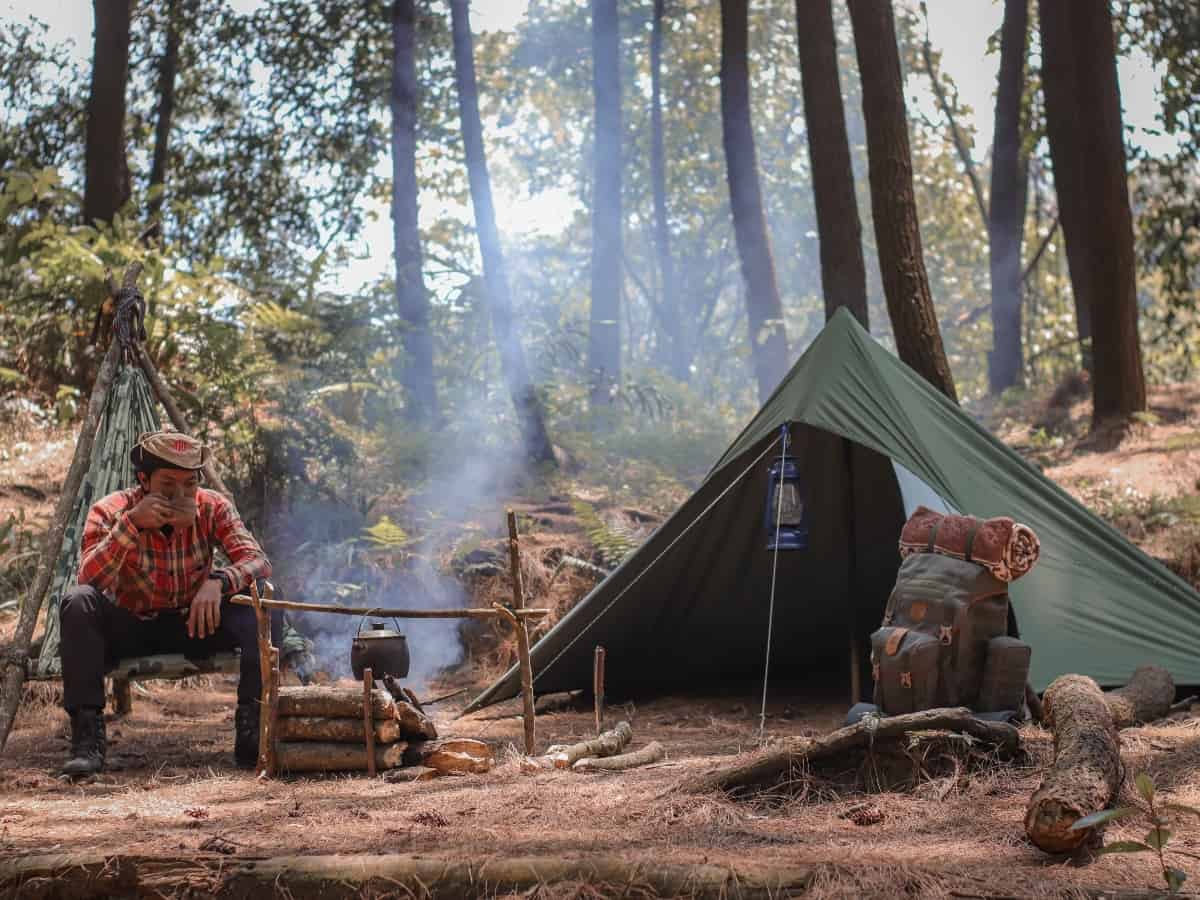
[(145, 571)]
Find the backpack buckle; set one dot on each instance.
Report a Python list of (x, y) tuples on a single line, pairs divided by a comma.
[(946, 634), (906, 679)]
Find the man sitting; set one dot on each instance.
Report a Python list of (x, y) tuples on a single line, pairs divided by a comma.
[(147, 585)]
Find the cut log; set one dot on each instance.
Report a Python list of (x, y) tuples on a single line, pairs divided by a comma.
[(1086, 773), (414, 724), (306, 756), (340, 731), (771, 766), (652, 752), (608, 744), (334, 702), (451, 756), (1148, 696)]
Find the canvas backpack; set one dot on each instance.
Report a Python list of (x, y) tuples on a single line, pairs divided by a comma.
[(933, 647)]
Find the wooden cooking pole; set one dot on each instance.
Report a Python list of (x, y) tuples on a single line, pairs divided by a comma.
[(519, 625)]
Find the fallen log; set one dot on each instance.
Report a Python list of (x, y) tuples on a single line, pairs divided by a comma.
[(334, 702), (451, 756), (311, 756), (341, 731), (1148, 696), (1086, 773), (871, 734), (412, 773), (609, 743), (652, 752), (84, 876)]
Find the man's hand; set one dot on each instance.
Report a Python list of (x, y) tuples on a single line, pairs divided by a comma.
[(152, 511), (205, 614)]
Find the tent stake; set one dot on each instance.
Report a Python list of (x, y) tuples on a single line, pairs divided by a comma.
[(598, 687), (15, 659)]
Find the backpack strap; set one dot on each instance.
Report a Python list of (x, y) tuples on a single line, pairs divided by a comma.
[(932, 536), (971, 537)]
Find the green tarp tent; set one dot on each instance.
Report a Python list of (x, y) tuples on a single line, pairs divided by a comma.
[(873, 439)]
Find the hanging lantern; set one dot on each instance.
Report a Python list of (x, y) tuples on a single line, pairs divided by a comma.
[(786, 522)]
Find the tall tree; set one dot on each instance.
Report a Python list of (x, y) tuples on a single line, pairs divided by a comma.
[(106, 170), (893, 204), (528, 407), (168, 69), (412, 300), (843, 273), (672, 314), (1087, 150), (604, 332), (764, 311), (1006, 202)]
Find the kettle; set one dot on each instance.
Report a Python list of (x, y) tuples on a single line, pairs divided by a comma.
[(381, 649)]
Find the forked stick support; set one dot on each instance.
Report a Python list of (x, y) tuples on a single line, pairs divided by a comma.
[(268, 660)]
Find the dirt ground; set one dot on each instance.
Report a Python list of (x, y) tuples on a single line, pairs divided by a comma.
[(172, 789)]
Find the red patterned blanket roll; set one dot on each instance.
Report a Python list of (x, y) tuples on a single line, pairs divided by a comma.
[(1005, 548)]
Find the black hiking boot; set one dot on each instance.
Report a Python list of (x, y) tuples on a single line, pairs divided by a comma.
[(89, 743), (245, 735)]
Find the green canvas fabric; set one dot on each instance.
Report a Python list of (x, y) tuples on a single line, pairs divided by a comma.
[(129, 410), (697, 611)]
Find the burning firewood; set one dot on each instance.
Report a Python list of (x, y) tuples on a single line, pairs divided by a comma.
[(312, 756), (451, 756)]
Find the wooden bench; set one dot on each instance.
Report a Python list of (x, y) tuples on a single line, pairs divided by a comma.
[(159, 667)]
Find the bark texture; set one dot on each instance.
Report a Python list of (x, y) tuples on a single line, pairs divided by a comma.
[(893, 203), (651, 753), (530, 417), (1086, 773), (334, 702), (168, 69), (412, 300), (670, 311), (106, 170), (843, 273), (1006, 208), (764, 311), (1087, 149), (604, 327), (608, 744), (341, 731), (312, 756), (1148, 696)]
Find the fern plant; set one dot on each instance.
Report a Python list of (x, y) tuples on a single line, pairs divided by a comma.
[(612, 540)]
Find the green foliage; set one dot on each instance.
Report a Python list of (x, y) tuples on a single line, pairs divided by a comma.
[(612, 540), (1156, 840), (387, 535)]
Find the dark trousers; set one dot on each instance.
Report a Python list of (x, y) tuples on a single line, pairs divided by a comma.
[(96, 633)]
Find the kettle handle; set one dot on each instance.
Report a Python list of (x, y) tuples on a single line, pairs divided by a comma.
[(367, 615)]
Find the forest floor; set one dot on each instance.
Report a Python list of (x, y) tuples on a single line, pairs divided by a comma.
[(171, 789)]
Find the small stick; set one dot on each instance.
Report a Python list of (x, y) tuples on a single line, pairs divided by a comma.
[(262, 620), (598, 687), (514, 557), (369, 721), (385, 613), (272, 766)]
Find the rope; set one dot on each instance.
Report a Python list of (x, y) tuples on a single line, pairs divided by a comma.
[(654, 562), (762, 716)]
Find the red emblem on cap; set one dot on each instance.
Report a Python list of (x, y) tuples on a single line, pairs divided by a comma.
[(180, 445)]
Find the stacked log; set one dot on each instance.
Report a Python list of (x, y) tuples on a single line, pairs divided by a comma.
[(323, 729)]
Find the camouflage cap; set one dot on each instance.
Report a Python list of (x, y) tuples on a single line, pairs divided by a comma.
[(170, 448)]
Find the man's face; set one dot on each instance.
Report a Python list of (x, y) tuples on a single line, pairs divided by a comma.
[(175, 485)]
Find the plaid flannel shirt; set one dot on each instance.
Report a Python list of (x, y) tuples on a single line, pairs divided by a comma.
[(145, 571)]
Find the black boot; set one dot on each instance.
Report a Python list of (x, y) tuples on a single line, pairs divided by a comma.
[(88, 742), (245, 735)]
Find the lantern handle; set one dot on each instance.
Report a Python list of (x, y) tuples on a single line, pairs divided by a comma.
[(785, 437)]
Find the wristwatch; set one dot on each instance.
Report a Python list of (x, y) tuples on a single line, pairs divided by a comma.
[(226, 581)]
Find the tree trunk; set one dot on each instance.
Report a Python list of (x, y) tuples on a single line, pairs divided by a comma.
[(768, 338), (1148, 696), (1006, 208), (604, 328), (412, 302), (530, 416), (669, 300), (311, 756), (1087, 764), (168, 68), (843, 273), (338, 731), (1087, 149), (337, 702), (106, 171), (893, 204)]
